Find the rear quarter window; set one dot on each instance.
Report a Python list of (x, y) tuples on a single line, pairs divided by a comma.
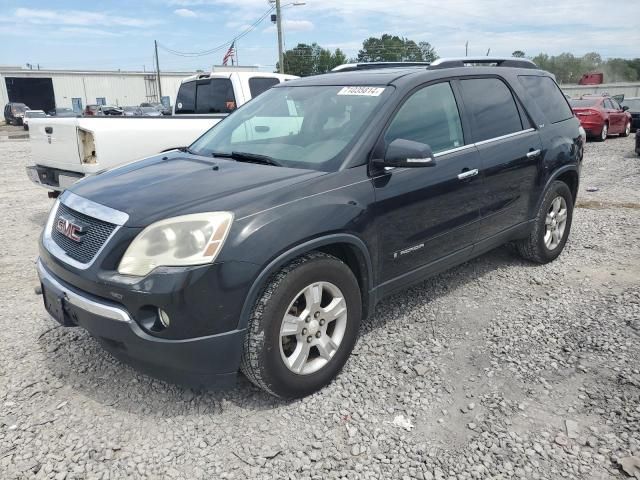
[(547, 95), (257, 85)]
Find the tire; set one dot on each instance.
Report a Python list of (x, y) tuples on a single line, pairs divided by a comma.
[(627, 130), (603, 133), (536, 247), (265, 361)]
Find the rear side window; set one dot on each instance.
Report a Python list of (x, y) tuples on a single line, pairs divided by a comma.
[(547, 96), (257, 85), (206, 96), (186, 98), (429, 116), (493, 108), (215, 96)]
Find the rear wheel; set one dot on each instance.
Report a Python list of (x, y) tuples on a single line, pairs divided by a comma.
[(627, 130), (551, 226), (604, 133), (303, 327)]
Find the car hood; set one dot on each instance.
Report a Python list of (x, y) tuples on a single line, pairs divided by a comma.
[(178, 183)]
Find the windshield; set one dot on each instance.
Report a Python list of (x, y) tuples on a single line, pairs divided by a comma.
[(633, 104), (19, 107), (584, 102), (300, 127)]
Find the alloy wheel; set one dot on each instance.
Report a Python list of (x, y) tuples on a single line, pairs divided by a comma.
[(555, 223), (627, 129), (313, 328), (605, 132)]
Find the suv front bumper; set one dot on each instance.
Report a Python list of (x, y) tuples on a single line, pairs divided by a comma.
[(199, 362)]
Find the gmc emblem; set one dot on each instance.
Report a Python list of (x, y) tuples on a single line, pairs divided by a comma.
[(69, 229)]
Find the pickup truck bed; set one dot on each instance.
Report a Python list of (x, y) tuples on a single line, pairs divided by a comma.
[(66, 149)]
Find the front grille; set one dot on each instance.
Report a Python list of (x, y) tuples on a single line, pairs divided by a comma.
[(96, 234)]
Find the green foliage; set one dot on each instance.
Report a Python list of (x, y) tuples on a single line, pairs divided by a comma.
[(304, 60), (391, 48), (518, 54), (569, 69)]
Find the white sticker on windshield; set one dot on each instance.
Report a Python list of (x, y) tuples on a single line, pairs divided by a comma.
[(362, 91)]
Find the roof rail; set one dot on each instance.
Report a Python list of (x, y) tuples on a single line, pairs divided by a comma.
[(349, 67), (482, 61)]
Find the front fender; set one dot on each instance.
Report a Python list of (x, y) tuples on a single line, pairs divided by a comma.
[(287, 256)]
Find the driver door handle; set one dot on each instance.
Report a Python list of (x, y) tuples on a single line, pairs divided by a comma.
[(533, 153), (468, 174)]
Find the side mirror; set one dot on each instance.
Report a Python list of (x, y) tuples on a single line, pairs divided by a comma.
[(408, 154), (625, 108)]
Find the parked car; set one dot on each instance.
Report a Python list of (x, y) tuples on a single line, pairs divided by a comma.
[(31, 114), (150, 112), (601, 116), (638, 141), (91, 110), (131, 111), (66, 150), (110, 110), (263, 245), (158, 106), (633, 105), (14, 113), (62, 112)]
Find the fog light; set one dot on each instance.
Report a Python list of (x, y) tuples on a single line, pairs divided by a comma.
[(164, 318)]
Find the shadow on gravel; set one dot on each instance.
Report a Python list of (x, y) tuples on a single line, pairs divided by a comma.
[(444, 284), (78, 361)]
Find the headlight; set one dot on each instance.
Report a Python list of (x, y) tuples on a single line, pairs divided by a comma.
[(187, 240)]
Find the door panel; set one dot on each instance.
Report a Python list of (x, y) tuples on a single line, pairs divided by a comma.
[(510, 168), (510, 153), (424, 214)]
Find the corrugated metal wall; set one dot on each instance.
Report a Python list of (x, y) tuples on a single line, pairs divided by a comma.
[(117, 89)]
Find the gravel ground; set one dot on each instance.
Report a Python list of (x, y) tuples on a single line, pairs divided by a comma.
[(496, 369)]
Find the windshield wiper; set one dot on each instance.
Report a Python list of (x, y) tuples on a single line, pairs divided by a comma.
[(248, 157), (187, 150)]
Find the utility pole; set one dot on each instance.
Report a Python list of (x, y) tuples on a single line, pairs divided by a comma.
[(466, 49), (279, 28), (155, 42)]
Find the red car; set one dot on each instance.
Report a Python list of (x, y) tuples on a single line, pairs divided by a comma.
[(601, 116)]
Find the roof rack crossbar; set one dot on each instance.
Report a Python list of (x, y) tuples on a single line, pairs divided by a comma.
[(482, 61)]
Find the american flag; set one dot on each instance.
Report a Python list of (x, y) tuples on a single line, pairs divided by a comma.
[(231, 53)]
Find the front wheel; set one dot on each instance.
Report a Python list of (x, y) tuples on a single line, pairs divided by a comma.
[(303, 327), (551, 226), (627, 130)]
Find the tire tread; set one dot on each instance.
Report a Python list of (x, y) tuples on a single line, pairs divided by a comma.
[(532, 247), (253, 340)]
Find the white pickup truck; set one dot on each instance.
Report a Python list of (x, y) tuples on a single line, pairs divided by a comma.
[(64, 150)]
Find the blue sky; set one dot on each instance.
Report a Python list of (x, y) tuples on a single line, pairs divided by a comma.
[(120, 34)]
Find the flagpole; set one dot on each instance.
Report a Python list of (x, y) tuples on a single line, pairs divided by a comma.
[(236, 54)]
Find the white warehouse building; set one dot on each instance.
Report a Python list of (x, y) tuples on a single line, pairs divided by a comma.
[(47, 89)]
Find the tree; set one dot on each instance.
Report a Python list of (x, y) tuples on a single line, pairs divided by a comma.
[(518, 54), (304, 60), (569, 69), (391, 48)]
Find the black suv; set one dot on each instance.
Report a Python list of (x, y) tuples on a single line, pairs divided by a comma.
[(263, 245), (14, 113)]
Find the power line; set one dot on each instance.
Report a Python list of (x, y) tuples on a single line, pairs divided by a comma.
[(221, 46)]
